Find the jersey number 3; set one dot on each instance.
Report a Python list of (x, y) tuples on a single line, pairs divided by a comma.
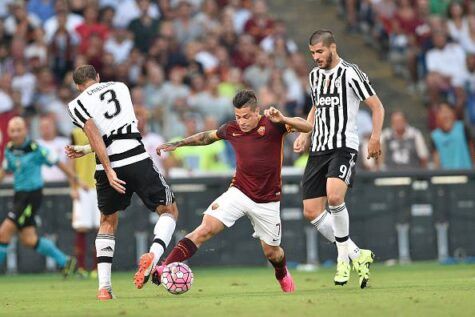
[(112, 99)]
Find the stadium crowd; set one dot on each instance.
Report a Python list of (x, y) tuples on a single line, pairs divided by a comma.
[(432, 44), (185, 59)]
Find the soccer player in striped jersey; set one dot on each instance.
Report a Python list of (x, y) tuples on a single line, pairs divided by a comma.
[(106, 114), (337, 87)]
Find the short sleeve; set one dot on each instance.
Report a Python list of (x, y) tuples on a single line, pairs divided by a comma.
[(48, 157), (222, 131), (360, 84), (311, 80), (78, 113)]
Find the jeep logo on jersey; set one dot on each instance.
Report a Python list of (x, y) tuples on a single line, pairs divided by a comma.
[(328, 100)]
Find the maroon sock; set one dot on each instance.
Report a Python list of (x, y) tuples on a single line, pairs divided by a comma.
[(280, 268), (182, 251), (80, 249)]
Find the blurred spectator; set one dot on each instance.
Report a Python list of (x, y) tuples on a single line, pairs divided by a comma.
[(90, 28), (457, 23), (151, 140), (119, 45), (240, 11), (43, 9), (144, 28), (72, 21), (467, 39), (186, 28), (231, 83), (279, 32), (446, 70), (403, 146), (127, 10), (24, 82), (258, 74), (207, 101), (260, 24), (439, 7), (45, 92), (245, 52), (21, 23), (58, 110), (207, 159), (62, 47), (452, 145), (36, 51), (208, 17), (4, 4), (55, 144)]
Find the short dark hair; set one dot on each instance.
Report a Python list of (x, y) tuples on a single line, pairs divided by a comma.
[(245, 98), (324, 36), (84, 73)]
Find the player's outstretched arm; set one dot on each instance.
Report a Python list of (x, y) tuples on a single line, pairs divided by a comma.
[(302, 142), (77, 151), (202, 138), (97, 144), (374, 144), (295, 123)]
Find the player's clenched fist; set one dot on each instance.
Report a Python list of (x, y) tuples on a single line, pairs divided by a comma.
[(166, 147), (274, 115), (301, 143)]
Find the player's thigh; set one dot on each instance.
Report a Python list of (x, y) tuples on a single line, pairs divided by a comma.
[(228, 207), (341, 172), (265, 219), (314, 177), (109, 200), (150, 185)]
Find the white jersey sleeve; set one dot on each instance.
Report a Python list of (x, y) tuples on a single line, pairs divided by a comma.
[(359, 83)]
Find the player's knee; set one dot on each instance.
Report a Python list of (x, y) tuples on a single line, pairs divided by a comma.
[(172, 210), (335, 199), (310, 213), (203, 232), (273, 254), (109, 223), (29, 241)]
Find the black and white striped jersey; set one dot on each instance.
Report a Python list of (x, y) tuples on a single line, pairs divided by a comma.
[(110, 106), (336, 95)]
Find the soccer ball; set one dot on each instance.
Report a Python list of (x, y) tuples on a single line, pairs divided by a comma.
[(177, 278)]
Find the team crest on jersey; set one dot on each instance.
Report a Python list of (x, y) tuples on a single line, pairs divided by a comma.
[(261, 130)]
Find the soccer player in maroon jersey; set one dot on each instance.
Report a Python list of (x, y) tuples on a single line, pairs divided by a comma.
[(255, 190)]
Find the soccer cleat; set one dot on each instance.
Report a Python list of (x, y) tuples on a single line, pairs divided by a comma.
[(104, 294), (145, 267), (342, 273), (362, 264), (70, 267), (82, 273), (157, 274), (287, 283)]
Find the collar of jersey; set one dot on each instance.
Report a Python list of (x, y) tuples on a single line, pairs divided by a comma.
[(330, 71)]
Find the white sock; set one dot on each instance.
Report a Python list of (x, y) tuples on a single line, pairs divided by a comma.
[(341, 228), (105, 246), (353, 250), (163, 231), (324, 225)]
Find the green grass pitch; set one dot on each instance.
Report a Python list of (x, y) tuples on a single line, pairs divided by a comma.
[(423, 289)]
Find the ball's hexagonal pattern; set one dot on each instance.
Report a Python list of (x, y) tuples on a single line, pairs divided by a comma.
[(177, 278)]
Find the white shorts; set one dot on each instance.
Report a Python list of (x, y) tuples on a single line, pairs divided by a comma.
[(265, 217), (86, 214)]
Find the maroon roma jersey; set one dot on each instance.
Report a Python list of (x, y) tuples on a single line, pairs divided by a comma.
[(259, 155)]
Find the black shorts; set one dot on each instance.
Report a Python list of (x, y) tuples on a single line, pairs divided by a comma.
[(337, 164), (25, 206), (142, 178)]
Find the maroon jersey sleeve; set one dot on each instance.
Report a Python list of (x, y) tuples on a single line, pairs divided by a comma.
[(222, 131)]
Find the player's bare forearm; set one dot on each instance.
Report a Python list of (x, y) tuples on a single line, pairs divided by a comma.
[(202, 138), (377, 109), (298, 124), (97, 144)]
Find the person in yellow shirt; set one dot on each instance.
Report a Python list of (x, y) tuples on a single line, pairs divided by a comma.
[(86, 213)]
